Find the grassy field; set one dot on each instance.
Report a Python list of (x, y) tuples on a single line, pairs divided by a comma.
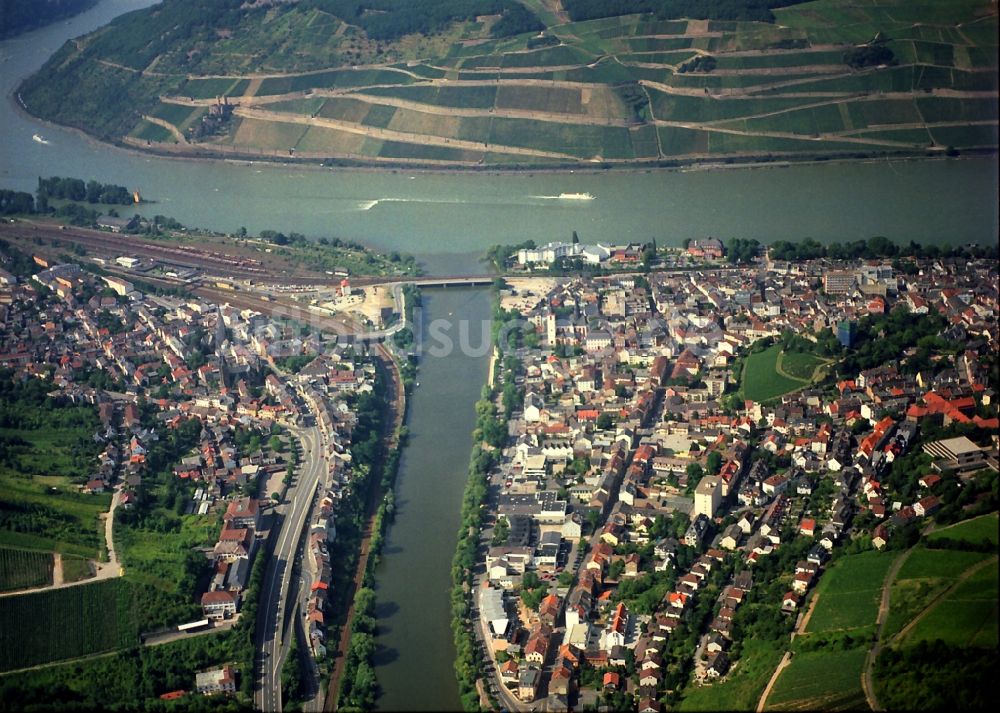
[(944, 564), (155, 558), (827, 676), (742, 688), (820, 680), (268, 135), (761, 380), (975, 530), (20, 569), (928, 573), (148, 131), (213, 87), (42, 506), (966, 616), (849, 592), (800, 365), (65, 623), (176, 114), (76, 568)]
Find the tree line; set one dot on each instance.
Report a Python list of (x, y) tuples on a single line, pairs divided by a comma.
[(22, 15), (875, 247), (750, 10), (75, 189), (391, 19)]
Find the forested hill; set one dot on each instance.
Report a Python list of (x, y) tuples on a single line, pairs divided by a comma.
[(17, 16), (471, 83)]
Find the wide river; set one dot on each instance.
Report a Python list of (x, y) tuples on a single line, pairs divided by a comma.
[(447, 220)]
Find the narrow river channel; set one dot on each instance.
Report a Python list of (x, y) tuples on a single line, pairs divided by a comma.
[(414, 659)]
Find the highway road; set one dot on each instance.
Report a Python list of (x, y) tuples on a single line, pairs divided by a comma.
[(275, 628)]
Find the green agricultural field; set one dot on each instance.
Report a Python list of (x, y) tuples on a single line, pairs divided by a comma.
[(559, 100), (908, 598), (307, 107), (176, 114), (965, 135), (678, 141), (582, 141), (745, 144), (345, 109), (929, 573), (761, 380), (397, 149), (469, 97), (326, 141), (946, 564), (786, 59), (849, 592), (742, 688), (65, 623), (876, 112), (966, 616), (211, 88), (975, 530), (148, 131), (20, 569), (934, 109), (821, 680), (644, 143), (379, 116), (911, 137), (270, 135)]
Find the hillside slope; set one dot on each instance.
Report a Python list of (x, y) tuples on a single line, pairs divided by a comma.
[(475, 82)]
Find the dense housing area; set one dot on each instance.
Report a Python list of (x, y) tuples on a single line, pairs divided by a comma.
[(693, 464)]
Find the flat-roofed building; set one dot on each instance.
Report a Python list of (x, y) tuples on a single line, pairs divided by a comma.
[(707, 496), (492, 611), (839, 282), (220, 680), (956, 454)]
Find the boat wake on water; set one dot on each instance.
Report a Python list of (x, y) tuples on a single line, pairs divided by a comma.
[(366, 205), (567, 197)]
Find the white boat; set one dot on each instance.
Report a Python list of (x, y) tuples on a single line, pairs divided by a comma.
[(39, 138), (576, 197)]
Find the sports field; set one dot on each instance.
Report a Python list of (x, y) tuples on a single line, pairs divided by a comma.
[(761, 380)]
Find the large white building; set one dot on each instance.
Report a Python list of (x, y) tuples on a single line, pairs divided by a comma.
[(550, 252), (707, 496)]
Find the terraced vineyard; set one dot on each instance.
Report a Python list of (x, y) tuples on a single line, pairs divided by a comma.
[(614, 90)]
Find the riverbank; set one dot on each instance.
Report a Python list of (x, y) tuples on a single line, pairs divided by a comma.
[(720, 163)]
